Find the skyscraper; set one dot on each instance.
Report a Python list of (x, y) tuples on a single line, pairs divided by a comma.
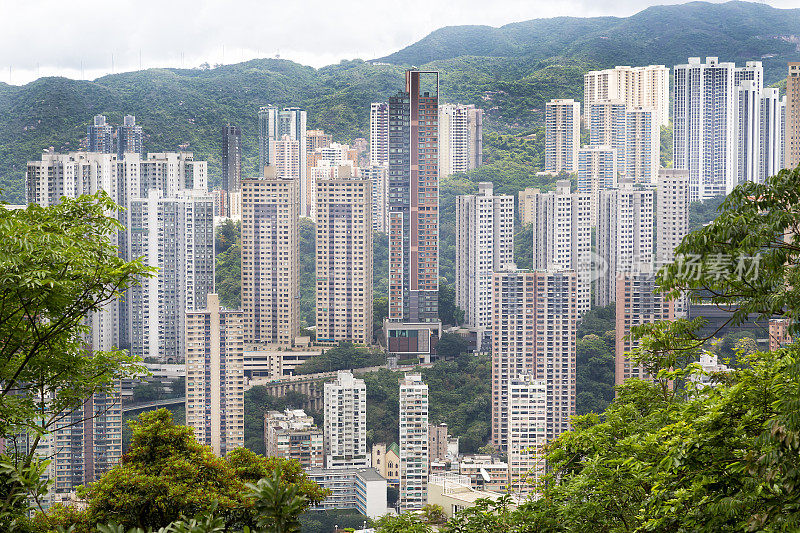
[(608, 127), (704, 116), (597, 171), (562, 236), (231, 158), (413, 443), (484, 244), (562, 135), (215, 376), (772, 115), (378, 176), (344, 259), (672, 213), (379, 134), (414, 213), (100, 136), (792, 122), (624, 236), (460, 138), (637, 302), (270, 210), (273, 125), (175, 236), (129, 137), (643, 145), (527, 433), (346, 422), (534, 316), (636, 86)]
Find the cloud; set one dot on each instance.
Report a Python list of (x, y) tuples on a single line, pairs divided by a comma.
[(81, 38)]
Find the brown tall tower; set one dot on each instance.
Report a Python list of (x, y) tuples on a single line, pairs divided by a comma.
[(791, 146)]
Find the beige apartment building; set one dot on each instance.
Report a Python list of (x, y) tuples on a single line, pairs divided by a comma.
[(270, 210)]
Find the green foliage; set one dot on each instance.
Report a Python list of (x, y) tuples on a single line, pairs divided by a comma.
[(167, 474), (343, 357), (449, 312), (451, 346), (703, 212), (22, 484), (595, 374), (226, 235), (307, 281), (666, 146), (57, 265), (404, 523), (228, 276), (278, 504), (325, 521)]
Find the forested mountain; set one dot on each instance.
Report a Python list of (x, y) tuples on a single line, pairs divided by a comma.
[(509, 71)]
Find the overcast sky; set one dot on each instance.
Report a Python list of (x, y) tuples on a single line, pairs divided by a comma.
[(77, 38)]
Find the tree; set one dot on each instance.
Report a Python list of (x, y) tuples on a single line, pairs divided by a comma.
[(404, 523), (451, 345), (449, 313), (167, 474), (342, 357), (58, 266), (278, 505)]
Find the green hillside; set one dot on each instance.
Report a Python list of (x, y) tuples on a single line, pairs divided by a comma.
[(510, 72)]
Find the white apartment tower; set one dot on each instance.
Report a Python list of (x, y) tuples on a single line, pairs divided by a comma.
[(534, 320), (345, 426), (273, 125), (460, 138), (413, 443), (643, 145), (270, 210), (562, 135), (344, 259), (672, 213), (608, 127), (379, 134), (175, 236), (597, 171), (759, 137), (484, 244), (636, 86), (215, 376), (624, 236), (704, 117), (527, 433), (562, 236), (379, 178)]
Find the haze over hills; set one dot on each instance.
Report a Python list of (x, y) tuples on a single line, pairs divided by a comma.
[(509, 71)]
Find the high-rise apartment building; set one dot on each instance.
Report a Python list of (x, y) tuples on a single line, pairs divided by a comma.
[(637, 302), (413, 443), (484, 244), (608, 126), (635, 86), (129, 137), (378, 177), (525, 199), (379, 134), (624, 236), (460, 138), (562, 236), (293, 435), (772, 116), (791, 141), (704, 139), (215, 376), (672, 213), (643, 145), (527, 433), (317, 139), (534, 318), (231, 158), (273, 125), (414, 215), (175, 236), (346, 422), (562, 132), (760, 115), (100, 136), (270, 211), (597, 171), (344, 259)]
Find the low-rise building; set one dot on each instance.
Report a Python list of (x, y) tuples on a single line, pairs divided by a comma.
[(485, 472), (454, 493), (362, 489), (275, 361), (293, 435), (386, 460)]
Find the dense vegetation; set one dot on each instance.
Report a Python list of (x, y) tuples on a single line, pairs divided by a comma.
[(342, 357)]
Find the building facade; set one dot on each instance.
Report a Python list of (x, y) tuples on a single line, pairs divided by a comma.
[(484, 244), (292, 435), (346, 422), (414, 456), (460, 138), (597, 171), (635, 86), (379, 134), (344, 259), (273, 125), (608, 126), (270, 211), (562, 135), (231, 158), (672, 213), (527, 433), (562, 236), (215, 376), (791, 141), (643, 145)]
